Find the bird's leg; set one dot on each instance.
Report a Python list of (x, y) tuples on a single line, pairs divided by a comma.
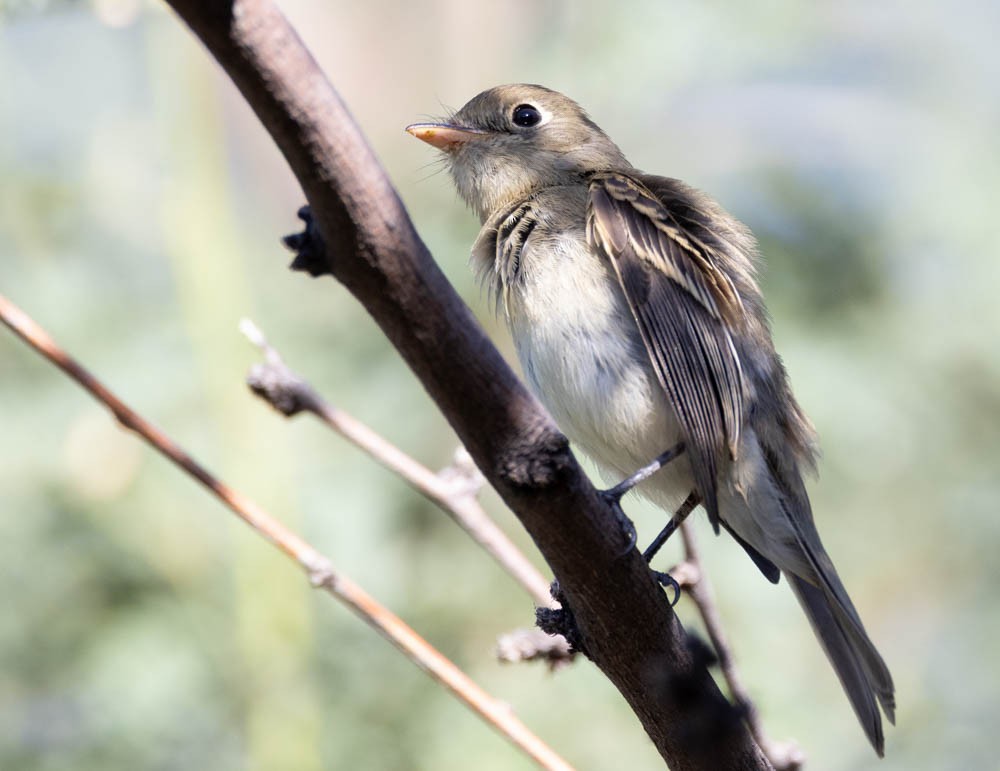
[(619, 490), (614, 495), (675, 522), (665, 579)]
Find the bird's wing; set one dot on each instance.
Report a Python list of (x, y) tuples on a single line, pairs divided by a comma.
[(684, 306)]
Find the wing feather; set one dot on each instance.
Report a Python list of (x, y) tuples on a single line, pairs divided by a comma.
[(684, 306)]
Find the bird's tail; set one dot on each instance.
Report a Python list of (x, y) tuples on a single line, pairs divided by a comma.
[(861, 670), (766, 504)]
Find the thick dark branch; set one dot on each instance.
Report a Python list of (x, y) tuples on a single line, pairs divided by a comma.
[(373, 248)]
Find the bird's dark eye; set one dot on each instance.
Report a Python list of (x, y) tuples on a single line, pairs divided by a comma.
[(526, 116)]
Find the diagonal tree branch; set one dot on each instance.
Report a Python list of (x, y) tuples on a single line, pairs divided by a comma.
[(456, 494), (372, 247), (317, 567)]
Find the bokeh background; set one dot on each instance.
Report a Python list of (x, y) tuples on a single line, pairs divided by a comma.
[(141, 626)]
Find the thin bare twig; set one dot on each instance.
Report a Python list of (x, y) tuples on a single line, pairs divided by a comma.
[(784, 756), (534, 645), (317, 567), (454, 489)]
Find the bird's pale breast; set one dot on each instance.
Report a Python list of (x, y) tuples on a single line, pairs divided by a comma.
[(587, 363)]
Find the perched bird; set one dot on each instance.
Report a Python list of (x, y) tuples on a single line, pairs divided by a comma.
[(636, 315)]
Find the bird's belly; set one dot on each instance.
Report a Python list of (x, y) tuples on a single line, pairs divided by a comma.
[(583, 356)]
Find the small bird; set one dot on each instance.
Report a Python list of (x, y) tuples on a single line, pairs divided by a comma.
[(634, 308)]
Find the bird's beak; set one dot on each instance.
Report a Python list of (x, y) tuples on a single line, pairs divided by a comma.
[(442, 135)]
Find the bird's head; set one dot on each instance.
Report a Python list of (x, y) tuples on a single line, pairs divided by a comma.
[(511, 140)]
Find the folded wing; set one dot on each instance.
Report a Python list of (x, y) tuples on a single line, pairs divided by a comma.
[(684, 306)]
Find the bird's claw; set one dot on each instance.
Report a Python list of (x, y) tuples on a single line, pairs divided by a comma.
[(667, 581), (613, 499)]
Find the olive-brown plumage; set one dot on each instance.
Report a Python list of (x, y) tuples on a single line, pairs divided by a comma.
[(636, 315)]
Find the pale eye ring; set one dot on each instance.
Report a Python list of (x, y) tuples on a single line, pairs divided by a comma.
[(526, 116)]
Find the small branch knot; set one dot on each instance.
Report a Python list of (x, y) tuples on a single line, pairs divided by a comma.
[(322, 576), (462, 475), (537, 458), (561, 621), (309, 247), (279, 388), (686, 574)]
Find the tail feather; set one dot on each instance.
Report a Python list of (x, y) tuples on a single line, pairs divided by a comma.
[(767, 506), (858, 665), (829, 599)]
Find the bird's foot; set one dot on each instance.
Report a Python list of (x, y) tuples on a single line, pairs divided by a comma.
[(667, 581), (613, 496), (310, 251), (626, 525)]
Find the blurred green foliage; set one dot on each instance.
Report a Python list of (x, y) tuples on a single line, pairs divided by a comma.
[(140, 209)]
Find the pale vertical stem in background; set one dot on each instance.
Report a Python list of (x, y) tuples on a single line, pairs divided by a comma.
[(208, 258)]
